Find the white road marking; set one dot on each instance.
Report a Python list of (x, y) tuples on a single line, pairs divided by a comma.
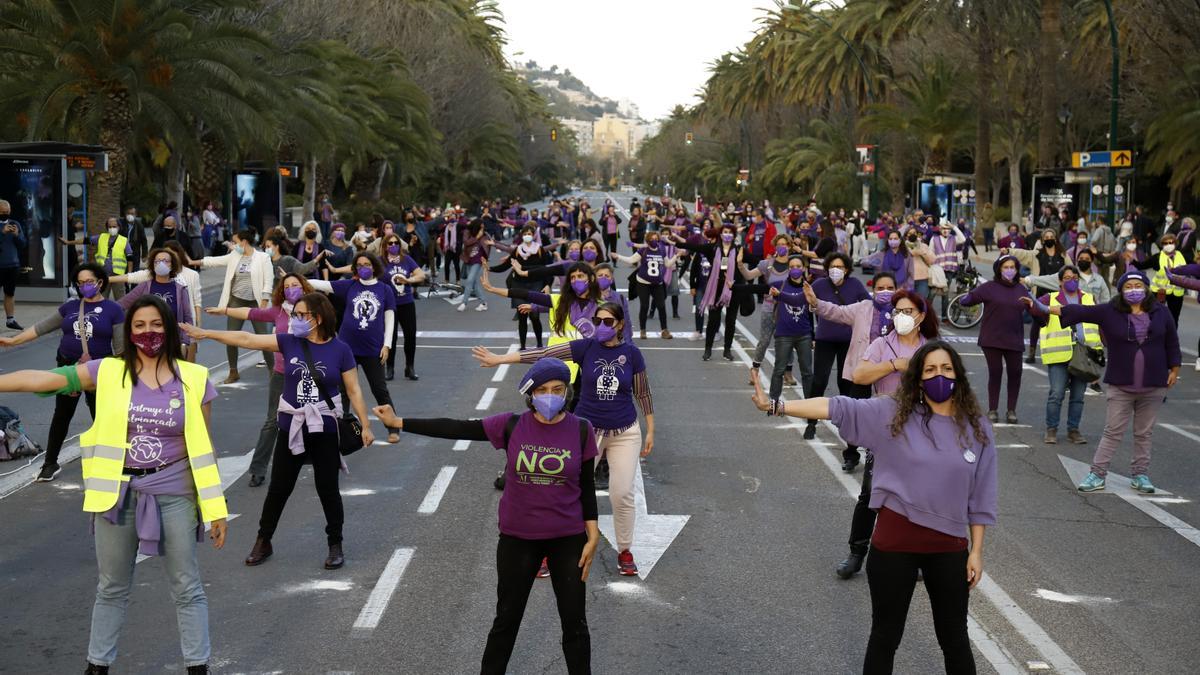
[(486, 400), (1012, 445), (502, 370), (1181, 432), (378, 601), (652, 534), (437, 490), (1118, 485), (357, 492), (461, 445), (1055, 596), (1000, 659), (319, 585)]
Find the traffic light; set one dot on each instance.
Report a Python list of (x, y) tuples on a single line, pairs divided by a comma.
[(553, 135), (687, 138)]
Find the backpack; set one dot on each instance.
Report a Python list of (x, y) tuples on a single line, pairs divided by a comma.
[(15, 444), (512, 424)]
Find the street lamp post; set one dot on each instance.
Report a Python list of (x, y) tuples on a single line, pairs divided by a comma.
[(1110, 212)]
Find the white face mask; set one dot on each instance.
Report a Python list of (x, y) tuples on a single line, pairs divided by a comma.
[(1131, 246), (113, 231), (528, 239), (1169, 249), (904, 323), (836, 275), (1170, 219), (129, 218)]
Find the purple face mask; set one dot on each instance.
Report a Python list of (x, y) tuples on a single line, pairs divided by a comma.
[(893, 243), (580, 286), (573, 255), (727, 237), (293, 294), (604, 282), (339, 234), (781, 251), (589, 255), (796, 273), (1009, 273), (365, 272), (393, 249), (1134, 296), (1071, 285), (938, 388)]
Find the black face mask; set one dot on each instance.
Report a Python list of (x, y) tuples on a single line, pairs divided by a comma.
[(310, 234), (1085, 265)]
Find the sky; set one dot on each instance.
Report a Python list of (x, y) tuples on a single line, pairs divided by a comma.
[(613, 46)]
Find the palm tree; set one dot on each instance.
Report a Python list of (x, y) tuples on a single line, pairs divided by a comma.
[(1173, 140), (89, 70), (930, 112), (810, 161)]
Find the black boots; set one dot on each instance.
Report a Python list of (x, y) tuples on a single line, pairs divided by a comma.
[(335, 559), (198, 670), (259, 554), (707, 353), (727, 355), (93, 669), (410, 374), (390, 374), (851, 565), (810, 430)]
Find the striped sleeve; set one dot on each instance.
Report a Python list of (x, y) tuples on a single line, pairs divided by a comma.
[(641, 391)]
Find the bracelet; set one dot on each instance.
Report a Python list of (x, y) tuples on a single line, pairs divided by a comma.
[(777, 408)]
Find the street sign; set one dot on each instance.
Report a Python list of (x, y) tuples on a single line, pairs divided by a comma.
[(865, 159), (1100, 159)]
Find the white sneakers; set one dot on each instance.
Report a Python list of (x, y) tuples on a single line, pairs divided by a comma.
[(462, 307), (481, 307), (1198, 364)]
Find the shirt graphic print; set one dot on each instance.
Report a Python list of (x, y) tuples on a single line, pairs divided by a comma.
[(365, 308)]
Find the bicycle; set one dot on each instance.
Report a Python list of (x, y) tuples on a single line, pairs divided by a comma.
[(959, 315)]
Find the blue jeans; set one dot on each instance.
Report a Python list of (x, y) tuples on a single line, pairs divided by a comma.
[(116, 554), (1060, 380), (474, 283), (921, 287)]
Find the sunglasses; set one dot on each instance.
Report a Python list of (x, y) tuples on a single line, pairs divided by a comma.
[(606, 320)]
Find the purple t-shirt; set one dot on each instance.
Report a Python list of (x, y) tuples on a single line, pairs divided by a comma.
[(652, 265), (1140, 324), (793, 318), (329, 361), (155, 429), (884, 349), (928, 474), (100, 321), (402, 268), (362, 323), (278, 316), (606, 390), (541, 497)]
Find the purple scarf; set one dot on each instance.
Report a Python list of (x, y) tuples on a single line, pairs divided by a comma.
[(710, 290), (881, 324), (175, 479)]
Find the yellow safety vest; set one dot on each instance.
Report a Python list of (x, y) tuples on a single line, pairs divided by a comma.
[(119, 264), (1160, 280), (103, 446), (569, 332), (1056, 340)]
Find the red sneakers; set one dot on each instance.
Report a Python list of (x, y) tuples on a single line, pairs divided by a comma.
[(625, 564), (544, 570)]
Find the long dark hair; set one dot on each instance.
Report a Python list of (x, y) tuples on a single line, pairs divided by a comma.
[(567, 296), (910, 396), (929, 325), (172, 349)]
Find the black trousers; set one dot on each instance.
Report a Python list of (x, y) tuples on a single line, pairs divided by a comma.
[(714, 321), (825, 353), (523, 323), (1175, 306), (610, 243), (406, 323), (862, 523), (517, 562), (892, 578), (373, 370), (451, 261), (320, 450), (64, 412), (656, 293)]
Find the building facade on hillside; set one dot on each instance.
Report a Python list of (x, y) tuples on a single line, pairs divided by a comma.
[(583, 134), (613, 135)]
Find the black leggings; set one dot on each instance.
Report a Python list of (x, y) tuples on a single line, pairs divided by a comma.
[(451, 260), (517, 562), (656, 293), (714, 321), (892, 578), (862, 524), (610, 243), (523, 323), (1175, 305), (64, 411), (321, 450), (825, 354), (373, 370), (999, 360), (406, 323)]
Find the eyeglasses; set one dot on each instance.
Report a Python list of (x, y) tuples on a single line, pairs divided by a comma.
[(606, 320), (307, 316), (907, 311)]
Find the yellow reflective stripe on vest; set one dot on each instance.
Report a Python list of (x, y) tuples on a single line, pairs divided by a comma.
[(103, 445), (119, 263), (1057, 341), (1160, 282)]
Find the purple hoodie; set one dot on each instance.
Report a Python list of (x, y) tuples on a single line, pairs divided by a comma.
[(929, 475)]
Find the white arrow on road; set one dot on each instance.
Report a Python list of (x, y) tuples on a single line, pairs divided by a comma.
[(651, 534), (1118, 485)]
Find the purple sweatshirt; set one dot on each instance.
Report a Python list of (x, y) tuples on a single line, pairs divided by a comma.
[(934, 476), (851, 291), (1003, 326), (1158, 353)]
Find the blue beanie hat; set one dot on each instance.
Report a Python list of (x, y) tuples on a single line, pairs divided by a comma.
[(1133, 275), (543, 371)]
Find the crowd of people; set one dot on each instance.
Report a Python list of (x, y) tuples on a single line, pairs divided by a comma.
[(337, 299)]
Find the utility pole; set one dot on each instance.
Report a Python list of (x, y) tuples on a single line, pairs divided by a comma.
[(1110, 212)]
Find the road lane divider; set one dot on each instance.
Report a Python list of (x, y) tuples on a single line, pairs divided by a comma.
[(381, 595), (436, 491), (502, 369), (485, 401)]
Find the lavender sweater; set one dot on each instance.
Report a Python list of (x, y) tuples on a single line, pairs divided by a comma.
[(932, 476)]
